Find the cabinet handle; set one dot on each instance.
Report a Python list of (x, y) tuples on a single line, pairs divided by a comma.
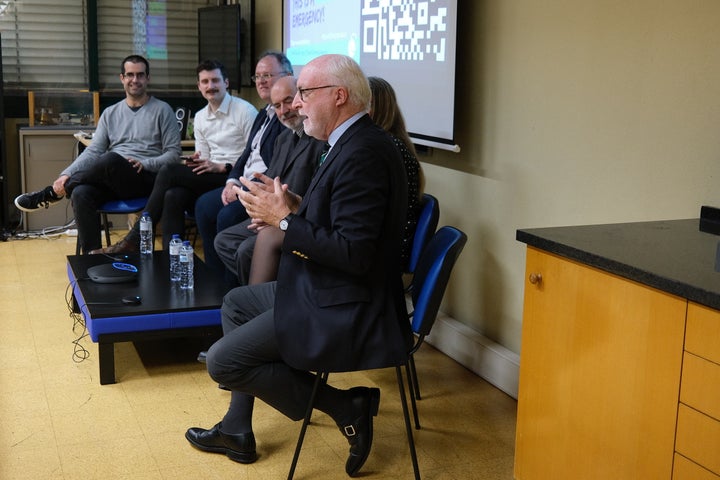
[(535, 278)]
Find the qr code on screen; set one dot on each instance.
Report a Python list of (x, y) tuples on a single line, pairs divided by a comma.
[(404, 29)]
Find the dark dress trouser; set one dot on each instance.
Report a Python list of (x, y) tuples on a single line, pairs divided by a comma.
[(211, 217), (247, 359), (111, 177), (174, 193)]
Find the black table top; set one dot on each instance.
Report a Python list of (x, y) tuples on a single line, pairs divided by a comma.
[(673, 256), (153, 285)]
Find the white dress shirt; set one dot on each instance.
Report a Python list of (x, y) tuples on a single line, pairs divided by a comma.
[(221, 135)]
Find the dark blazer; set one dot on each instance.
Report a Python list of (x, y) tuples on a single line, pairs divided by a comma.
[(339, 304), (267, 143), (295, 159)]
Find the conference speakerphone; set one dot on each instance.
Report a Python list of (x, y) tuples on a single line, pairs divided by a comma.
[(116, 272)]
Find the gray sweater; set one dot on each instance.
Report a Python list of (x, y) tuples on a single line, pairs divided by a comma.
[(150, 135)]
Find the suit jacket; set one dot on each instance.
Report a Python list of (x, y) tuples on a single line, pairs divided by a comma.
[(339, 304), (267, 143), (295, 160)]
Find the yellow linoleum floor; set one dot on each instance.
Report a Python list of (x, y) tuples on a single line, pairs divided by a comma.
[(57, 422)]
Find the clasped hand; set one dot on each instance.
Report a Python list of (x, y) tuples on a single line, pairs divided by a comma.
[(267, 201)]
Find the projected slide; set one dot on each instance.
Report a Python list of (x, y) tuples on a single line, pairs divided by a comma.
[(410, 43)]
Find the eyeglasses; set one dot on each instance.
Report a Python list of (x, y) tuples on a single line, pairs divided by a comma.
[(303, 91), (264, 77), (133, 76)]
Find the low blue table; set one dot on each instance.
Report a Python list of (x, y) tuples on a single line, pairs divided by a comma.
[(166, 311)]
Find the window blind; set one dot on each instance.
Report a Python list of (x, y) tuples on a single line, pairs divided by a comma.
[(44, 44), (165, 32)]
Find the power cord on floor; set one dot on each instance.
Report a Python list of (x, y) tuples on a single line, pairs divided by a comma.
[(80, 353), (47, 233)]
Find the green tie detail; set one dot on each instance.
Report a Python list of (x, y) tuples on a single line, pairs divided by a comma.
[(323, 155)]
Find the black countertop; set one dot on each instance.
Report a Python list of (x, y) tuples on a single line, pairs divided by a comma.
[(673, 256)]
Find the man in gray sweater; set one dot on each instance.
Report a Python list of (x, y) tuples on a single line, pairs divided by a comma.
[(133, 139)]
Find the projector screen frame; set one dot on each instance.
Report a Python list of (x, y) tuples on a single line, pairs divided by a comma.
[(308, 13)]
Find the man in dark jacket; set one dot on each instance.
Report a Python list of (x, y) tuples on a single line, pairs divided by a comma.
[(338, 302)]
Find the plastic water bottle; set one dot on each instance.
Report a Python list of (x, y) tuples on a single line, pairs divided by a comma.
[(146, 235), (187, 280), (174, 248)]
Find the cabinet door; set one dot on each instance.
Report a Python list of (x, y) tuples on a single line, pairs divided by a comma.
[(44, 157), (599, 375)]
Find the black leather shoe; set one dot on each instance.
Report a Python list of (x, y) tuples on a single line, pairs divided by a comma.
[(239, 447), (364, 405)]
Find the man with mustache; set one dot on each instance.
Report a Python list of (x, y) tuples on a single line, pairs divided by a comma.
[(218, 209), (338, 303), (221, 132)]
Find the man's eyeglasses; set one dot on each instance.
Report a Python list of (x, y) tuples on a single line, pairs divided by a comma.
[(303, 91), (133, 76), (264, 77)]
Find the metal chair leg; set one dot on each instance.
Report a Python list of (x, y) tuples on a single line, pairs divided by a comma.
[(106, 225), (416, 384), (320, 378), (411, 385), (408, 427)]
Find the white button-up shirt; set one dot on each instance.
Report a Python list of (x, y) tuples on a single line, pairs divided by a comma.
[(222, 135)]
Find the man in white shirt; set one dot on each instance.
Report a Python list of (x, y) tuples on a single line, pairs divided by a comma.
[(218, 209), (221, 132)]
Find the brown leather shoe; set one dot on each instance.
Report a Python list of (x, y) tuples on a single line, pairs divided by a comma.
[(123, 246)]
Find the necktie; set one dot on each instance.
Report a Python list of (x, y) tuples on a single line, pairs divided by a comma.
[(323, 155)]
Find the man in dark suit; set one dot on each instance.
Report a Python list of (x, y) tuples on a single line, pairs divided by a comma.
[(338, 303), (219, 208), (294, 161)]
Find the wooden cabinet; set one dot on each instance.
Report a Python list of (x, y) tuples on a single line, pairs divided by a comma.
[(698, 424), (44, 153), (600, 370)]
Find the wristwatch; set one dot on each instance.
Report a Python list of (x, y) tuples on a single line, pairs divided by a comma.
[(285, 222)]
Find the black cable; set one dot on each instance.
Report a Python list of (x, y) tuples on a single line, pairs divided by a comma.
[(80, 353)]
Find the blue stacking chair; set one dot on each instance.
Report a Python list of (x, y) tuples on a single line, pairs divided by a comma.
[(427, 290), (429, 282), (426, 225), (126, 206)]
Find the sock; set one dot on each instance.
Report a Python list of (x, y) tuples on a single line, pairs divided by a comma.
[(336, 403), (238, 418)]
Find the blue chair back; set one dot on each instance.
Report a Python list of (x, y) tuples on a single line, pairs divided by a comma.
[(426, 225), (431, 277)]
